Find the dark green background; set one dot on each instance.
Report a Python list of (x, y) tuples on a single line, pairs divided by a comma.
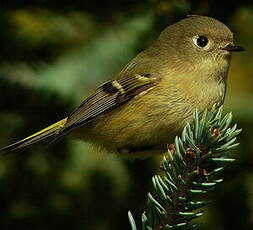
[(51, 54)]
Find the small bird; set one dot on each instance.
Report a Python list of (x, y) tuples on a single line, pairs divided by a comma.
[(152, 98)]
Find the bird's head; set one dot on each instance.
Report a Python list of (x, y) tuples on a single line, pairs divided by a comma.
[(200, 41)]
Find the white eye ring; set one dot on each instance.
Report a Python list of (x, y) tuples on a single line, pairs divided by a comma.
[(200, 41)]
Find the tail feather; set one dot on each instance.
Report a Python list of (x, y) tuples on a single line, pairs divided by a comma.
[(44, 134)]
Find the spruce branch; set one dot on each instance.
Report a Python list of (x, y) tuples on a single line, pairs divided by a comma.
[(191, 169)]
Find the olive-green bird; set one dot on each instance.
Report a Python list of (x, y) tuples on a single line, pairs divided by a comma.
[(152, 98)]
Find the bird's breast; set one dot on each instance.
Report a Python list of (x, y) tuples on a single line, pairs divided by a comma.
[(153, 118)]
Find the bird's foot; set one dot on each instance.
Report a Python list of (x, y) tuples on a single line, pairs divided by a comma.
[(172, 149)]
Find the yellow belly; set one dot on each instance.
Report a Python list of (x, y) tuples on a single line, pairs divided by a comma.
[(141, 122), (148, 120)]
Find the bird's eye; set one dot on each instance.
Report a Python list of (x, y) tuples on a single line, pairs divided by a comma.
[(200, 41)]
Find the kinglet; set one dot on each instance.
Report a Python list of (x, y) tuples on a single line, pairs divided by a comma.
[(152, 98)]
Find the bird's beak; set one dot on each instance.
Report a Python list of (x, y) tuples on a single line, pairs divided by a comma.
[(233, 48)]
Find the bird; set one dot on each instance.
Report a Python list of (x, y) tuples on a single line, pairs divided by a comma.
[(145, 105)]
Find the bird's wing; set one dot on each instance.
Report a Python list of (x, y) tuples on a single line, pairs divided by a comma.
[(109, 95)]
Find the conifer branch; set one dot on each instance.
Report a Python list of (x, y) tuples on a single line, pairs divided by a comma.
[(191, 169)]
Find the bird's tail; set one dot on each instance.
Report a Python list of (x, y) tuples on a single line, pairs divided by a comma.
[(43, 135)]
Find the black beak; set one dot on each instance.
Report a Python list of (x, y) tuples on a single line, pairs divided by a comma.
[(233, 48)]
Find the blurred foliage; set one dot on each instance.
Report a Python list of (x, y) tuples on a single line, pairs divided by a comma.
[(51, 54)]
